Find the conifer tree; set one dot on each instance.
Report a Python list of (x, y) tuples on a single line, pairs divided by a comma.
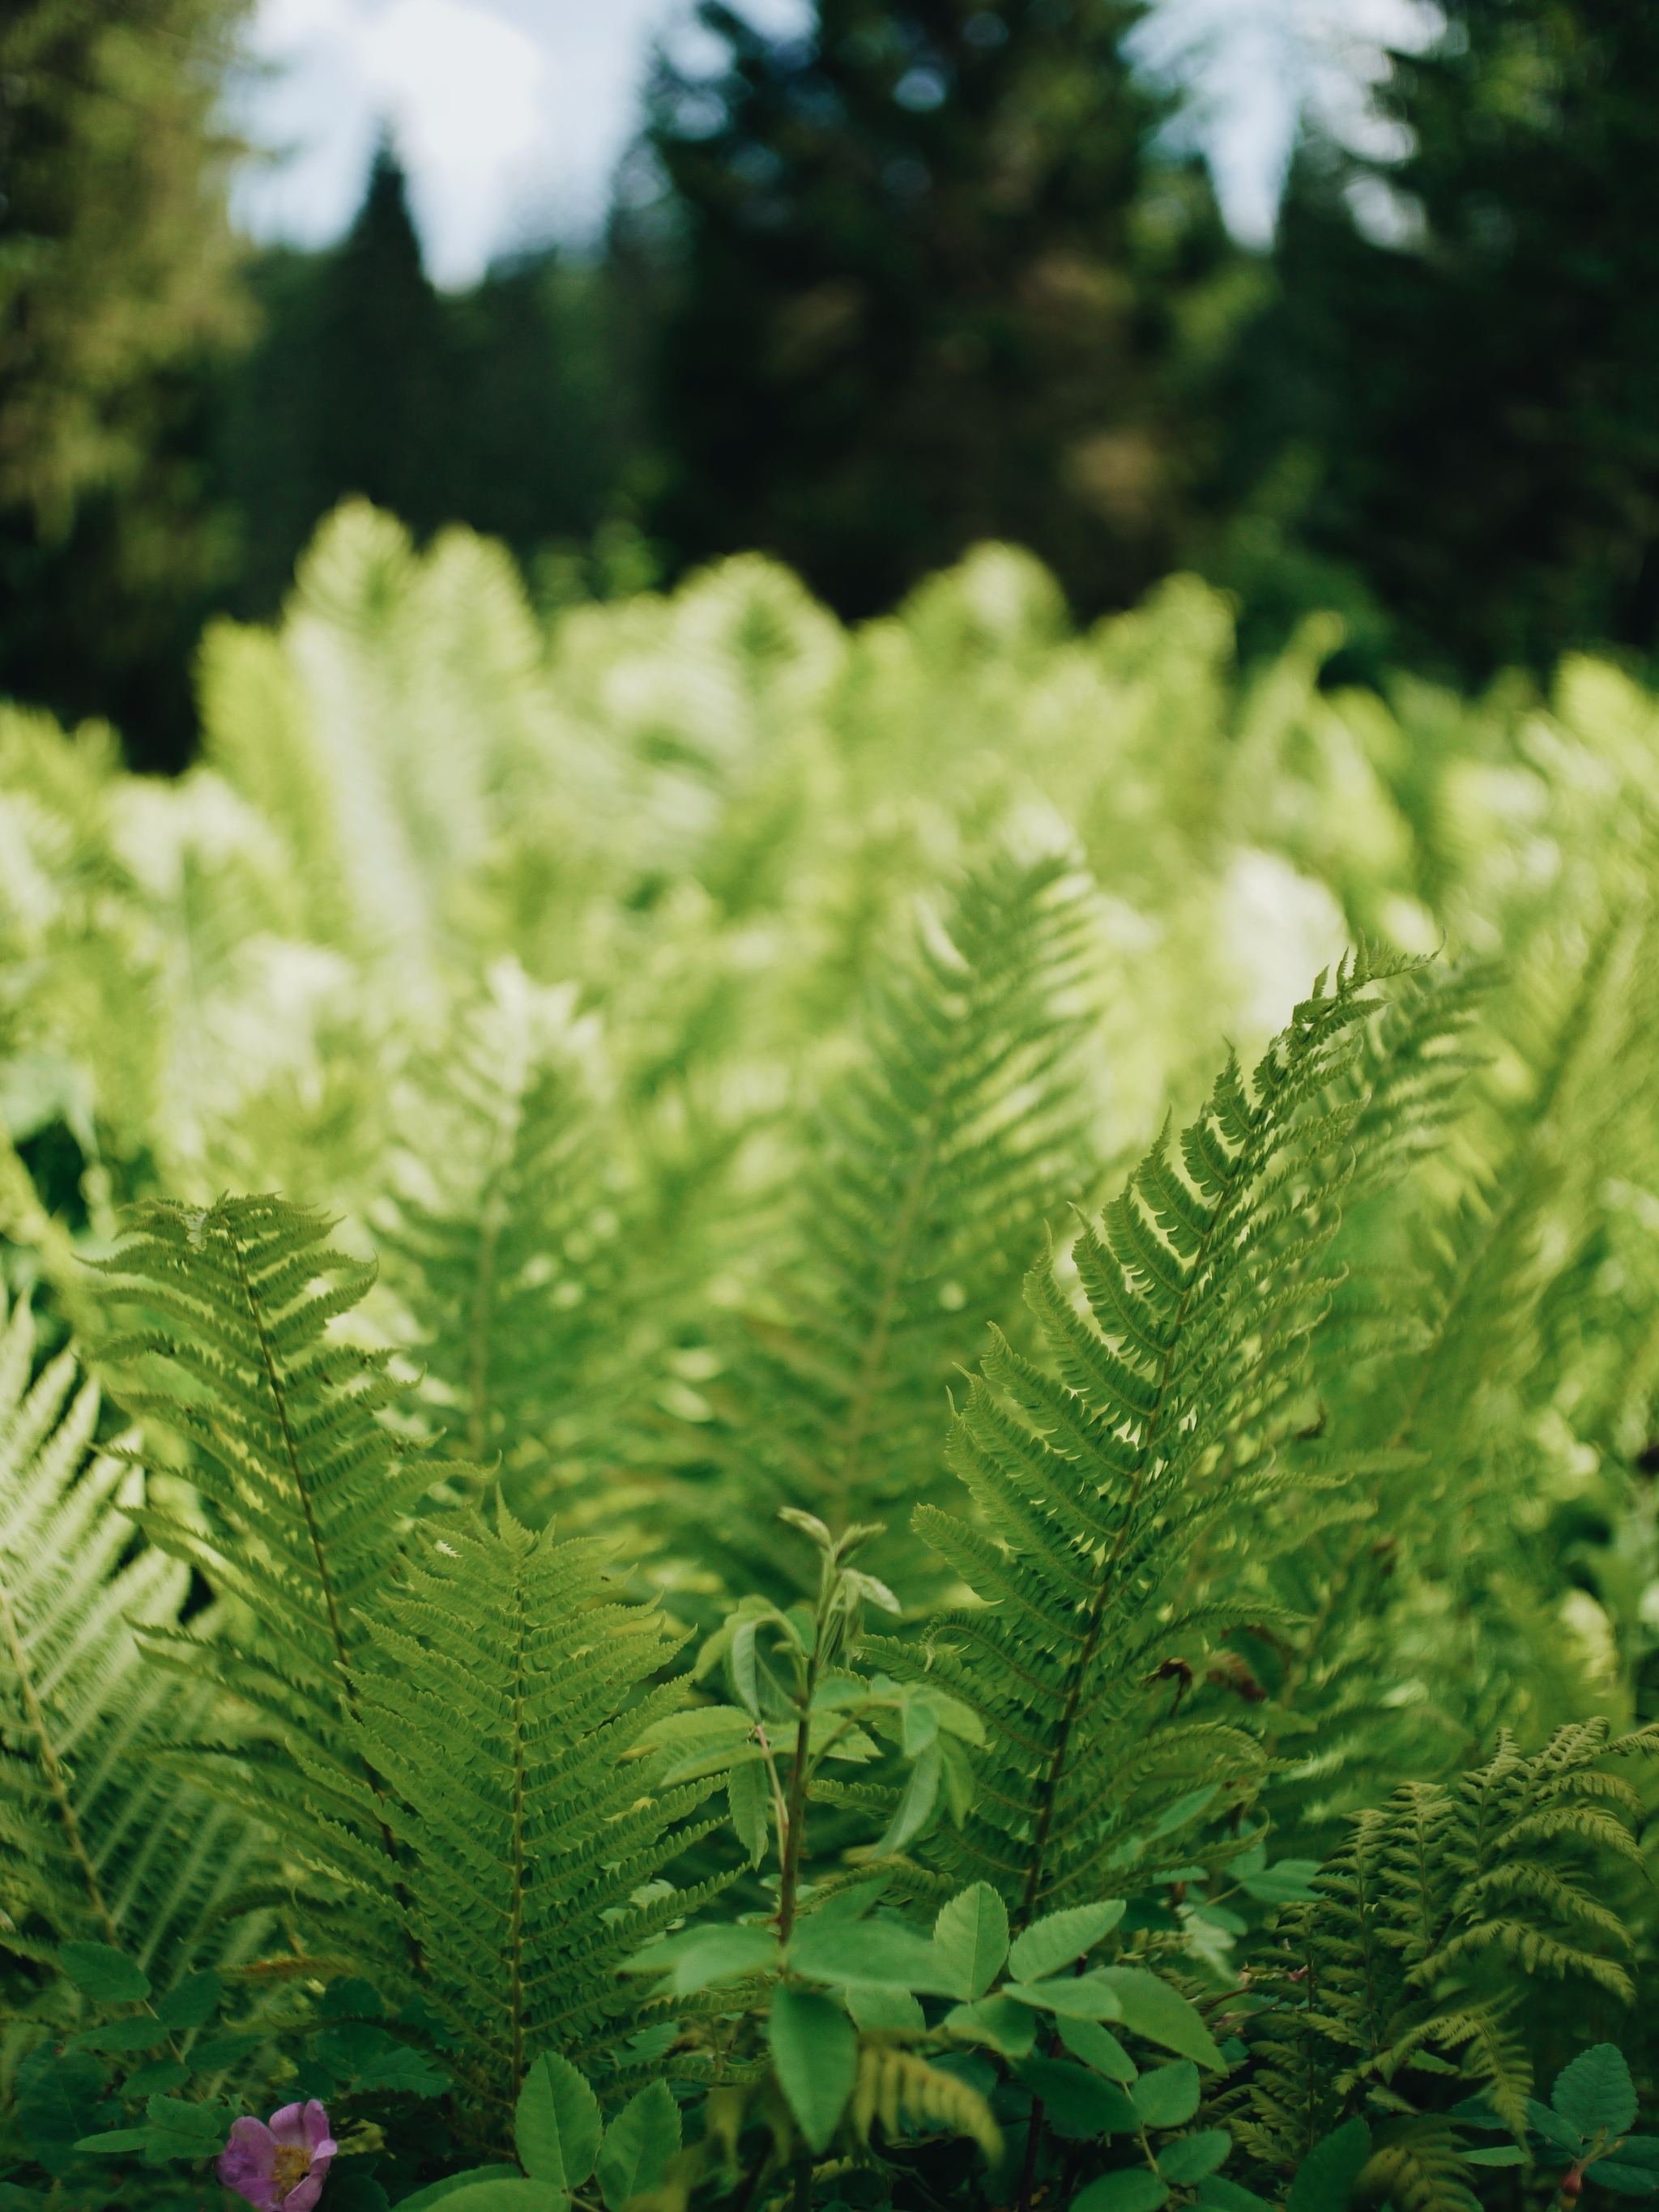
[(927, 298), (1457, 389)]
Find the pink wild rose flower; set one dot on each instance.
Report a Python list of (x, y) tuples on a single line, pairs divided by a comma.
[(282, 2168)]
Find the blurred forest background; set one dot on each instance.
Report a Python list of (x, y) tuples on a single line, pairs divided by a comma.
[(933, 277)]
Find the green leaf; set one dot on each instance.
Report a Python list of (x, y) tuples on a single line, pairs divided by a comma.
[(404, 2072), (1623, 2180), (349, 1997), (1324, 2181), (118, 2140), (1168, 2096), (703, 1956), (971, 1937), (1005, 2025), (167, 2073), (1554, 2129), (193, 2003), (915, 1802), (882, 1951), (1060, 1937), (1285, 1882), (749, 1797), (1161, 2014), (815, 2052), (208, 2125), (1079, 2102), (1099, 2047), (1595, 2091), (1224, 2195), (105, 1975), (1194, 2158), (557, 2127), (1638, 2150), (1132, 2189), (1074, 1996), (638, 2144), (514, 2195), (220, 2051), (877, 2005), (142, 2034), (436, 2190), (1506, 2154)]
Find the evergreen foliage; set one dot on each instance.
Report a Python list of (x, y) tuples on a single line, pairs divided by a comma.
[(1458, 400), (932, 286)]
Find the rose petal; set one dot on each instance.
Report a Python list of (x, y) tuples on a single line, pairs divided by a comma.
[(288, 2126), (318, 2135), (304, 2194)]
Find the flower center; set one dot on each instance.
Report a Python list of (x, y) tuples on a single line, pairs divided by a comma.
[(288, 2168)]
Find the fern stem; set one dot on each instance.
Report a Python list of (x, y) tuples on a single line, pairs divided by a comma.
[(795, 1833), (56, 1780), (489, 1230)]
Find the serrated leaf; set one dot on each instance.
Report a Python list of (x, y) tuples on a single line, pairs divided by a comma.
[(1195, 2157), (1072, 1996), (749, 1800), (916, 1801), (192, 2004), (875, 2006), (1005, 2025), (120, 2035), (1506, 2154), (702, 1957), (878, 1951), (101, 1973), (1099, 2047), (1161, 2014), (165, 2075), (1324, 2181), (1080, 2103), (971, 1936), (1060, 1938), (1224, 2195), (1622, 2180), (1287, 1882), (557, 2127), (1132, 2189), (1554, 2129), (1166, 2097), (434, 2190), (638, 2144), (815, 2054), (117, 2139), (1595, 2091), (513, 2195)]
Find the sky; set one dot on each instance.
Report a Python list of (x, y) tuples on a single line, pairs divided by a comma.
[(511, 115)]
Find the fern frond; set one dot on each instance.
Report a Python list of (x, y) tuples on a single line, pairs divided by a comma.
[(308, 1492), (96, 1839), (502, 1686), (1096, 1493), (933, 1164)]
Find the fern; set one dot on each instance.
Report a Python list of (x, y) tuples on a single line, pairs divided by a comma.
[(306, 1491), (1096, 1486), (1432, 1922), (927, 1177), (503, 1686), (97, 1841)]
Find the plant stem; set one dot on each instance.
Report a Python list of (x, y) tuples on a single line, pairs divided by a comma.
[(1033, 2143)]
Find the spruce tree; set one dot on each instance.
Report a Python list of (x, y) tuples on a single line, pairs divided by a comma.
[(1460, 385), (927, 296)]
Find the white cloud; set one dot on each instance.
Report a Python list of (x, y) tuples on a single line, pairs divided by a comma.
[(510, 115)]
